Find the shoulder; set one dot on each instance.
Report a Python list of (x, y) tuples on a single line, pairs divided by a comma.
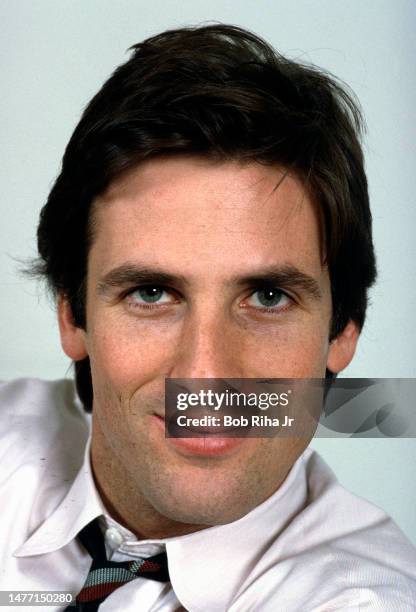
[(339, 553), (32, 396), (339, 515), (362, 546), (34, 412), (43, 433)]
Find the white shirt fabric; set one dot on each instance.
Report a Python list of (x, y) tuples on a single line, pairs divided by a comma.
[(312, 546)]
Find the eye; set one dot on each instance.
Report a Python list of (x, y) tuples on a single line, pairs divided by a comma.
[(269, 299), (149, 295)]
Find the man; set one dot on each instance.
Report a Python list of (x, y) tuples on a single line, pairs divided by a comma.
[(211, 220)]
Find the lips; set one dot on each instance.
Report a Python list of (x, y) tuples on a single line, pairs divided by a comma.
[(204, 441), (208, 446)]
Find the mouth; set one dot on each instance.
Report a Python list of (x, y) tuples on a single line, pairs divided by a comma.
[(206, 440)]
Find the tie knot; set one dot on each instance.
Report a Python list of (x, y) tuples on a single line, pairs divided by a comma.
[(105, 576)]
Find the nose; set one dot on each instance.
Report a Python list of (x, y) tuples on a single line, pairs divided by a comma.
[(209, 346)]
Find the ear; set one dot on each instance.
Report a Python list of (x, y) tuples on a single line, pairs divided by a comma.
[(342, 348), (72, 337)]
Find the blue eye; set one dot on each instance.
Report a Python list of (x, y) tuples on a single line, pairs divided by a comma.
[(269, 297), (150, 295)]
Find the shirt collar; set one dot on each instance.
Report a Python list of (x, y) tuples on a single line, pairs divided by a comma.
[(80, 505)]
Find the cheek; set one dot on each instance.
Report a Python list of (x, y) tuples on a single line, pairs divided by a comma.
[(288, 352), (308, 356), (125, 357)]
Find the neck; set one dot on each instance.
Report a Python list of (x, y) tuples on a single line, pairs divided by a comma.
[(123, 500)]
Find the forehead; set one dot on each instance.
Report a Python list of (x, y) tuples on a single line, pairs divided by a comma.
[(207, 214)]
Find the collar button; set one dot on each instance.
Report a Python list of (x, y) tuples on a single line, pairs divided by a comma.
[(113, 538)]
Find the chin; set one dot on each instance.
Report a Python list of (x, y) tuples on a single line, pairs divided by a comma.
[(205, 514), (208, 502)]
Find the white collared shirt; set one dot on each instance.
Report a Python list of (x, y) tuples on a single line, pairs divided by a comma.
[(312, 546)]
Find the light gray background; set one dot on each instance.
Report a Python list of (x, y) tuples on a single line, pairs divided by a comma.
[(56, 54)]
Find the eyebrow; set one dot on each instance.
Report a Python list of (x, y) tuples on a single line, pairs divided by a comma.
[(284, 277), (128, 275)]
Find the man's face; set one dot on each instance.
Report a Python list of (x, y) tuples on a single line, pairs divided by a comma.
[(184, 254)]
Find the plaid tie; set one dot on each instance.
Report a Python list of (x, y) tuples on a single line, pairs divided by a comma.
[(105, 576)]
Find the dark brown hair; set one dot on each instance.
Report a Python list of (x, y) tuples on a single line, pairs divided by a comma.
[(222, 92)]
